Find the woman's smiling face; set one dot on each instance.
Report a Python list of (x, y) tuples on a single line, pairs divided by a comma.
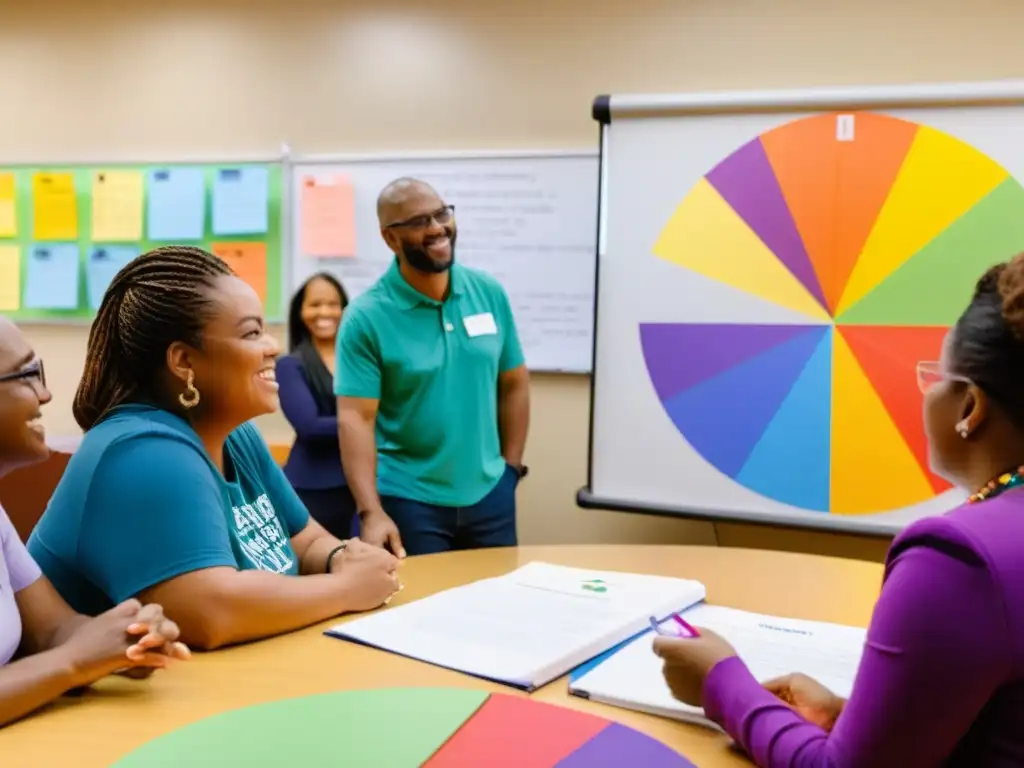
[(234, 368), (23, 393), (321, 309)]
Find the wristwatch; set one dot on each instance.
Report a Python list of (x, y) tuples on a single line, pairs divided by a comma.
[(521, 470)]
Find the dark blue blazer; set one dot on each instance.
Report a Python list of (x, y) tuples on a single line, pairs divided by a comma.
[(315, 459)]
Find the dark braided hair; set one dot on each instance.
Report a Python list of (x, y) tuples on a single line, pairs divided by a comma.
[(988, 341), (156, 299)]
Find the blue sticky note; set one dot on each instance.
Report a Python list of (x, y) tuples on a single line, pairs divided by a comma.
[(241, 199), (176, 204), (51, 280), (103, 263)]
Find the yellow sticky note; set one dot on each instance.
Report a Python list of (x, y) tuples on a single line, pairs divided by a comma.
[(54, 207), (10, 278), (8, 207), (117, 206)]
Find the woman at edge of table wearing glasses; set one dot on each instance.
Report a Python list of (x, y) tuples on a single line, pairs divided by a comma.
[(172, 495), (941, 680), (55, 649)]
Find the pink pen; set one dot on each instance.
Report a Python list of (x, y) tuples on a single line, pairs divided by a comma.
[(680, 628)]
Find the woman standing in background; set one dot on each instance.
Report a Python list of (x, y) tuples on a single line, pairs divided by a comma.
[(306, 378)]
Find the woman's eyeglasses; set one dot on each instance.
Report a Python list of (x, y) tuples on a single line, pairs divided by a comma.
[(33, 370), (930, 373)]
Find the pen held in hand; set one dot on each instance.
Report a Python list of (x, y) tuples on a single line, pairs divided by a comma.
[(674, 626)]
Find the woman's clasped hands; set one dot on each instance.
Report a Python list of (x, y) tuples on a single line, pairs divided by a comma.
[(130, 638), (370, 574)]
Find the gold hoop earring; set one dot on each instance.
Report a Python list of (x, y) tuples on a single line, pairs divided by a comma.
[(189, 399)]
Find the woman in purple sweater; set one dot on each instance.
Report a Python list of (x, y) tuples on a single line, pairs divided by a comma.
[(54, 649), (941, 681), (306, 380)]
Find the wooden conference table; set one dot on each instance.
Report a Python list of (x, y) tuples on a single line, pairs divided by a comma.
[(118, 715)]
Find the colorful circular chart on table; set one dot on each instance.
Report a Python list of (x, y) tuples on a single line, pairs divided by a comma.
[(875, 230), (405, 728)]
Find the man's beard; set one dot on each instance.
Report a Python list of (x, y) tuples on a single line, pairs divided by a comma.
[(421, 261)]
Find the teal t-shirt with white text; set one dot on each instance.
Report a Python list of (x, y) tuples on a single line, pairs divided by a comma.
[(141, 503)]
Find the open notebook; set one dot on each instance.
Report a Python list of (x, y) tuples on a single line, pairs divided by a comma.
[(630, 676), (527, 627)]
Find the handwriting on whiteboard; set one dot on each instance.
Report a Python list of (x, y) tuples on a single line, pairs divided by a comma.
[(532, 225)]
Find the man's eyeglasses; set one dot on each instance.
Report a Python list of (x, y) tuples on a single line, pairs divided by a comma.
[(33, 370), (442, 216), (930, 373)]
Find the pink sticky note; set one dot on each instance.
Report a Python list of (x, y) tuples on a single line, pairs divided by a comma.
[(328, 216)]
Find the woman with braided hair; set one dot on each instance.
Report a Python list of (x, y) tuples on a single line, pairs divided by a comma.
[(173, 496), (941, 680)]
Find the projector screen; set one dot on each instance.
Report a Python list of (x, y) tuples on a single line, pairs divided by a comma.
[(771, 268)]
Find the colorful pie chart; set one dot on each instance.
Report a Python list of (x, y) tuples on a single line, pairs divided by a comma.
[(873, 229), (405, 728)]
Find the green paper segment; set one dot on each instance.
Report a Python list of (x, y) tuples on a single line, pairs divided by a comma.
[(382, 728), (935, 285)]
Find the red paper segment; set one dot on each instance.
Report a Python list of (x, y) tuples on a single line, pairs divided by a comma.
[(513, 732)]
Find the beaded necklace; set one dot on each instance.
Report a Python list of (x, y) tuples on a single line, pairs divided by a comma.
[(997, 485)]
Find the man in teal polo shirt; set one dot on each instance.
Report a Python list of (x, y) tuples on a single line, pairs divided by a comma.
[(433, 392)]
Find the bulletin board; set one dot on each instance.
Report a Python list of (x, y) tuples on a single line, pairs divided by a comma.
[(65, 231)]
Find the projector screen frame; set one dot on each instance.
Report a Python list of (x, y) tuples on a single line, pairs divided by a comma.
[(607, 107)]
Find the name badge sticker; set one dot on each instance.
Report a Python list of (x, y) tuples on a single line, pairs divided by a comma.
[(480, 325)]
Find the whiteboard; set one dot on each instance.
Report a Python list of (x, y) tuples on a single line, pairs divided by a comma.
[(653, 450), (527, 218)]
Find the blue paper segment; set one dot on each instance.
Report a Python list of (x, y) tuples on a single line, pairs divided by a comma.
[(241, 201), (102, 264), (52, 276), (791, 462), (176, 204), (724, 417)]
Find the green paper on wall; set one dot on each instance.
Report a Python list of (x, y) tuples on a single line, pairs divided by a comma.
[(382, 728), (111, 208)]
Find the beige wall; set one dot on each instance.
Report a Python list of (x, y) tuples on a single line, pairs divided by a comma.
[(156, 79)]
